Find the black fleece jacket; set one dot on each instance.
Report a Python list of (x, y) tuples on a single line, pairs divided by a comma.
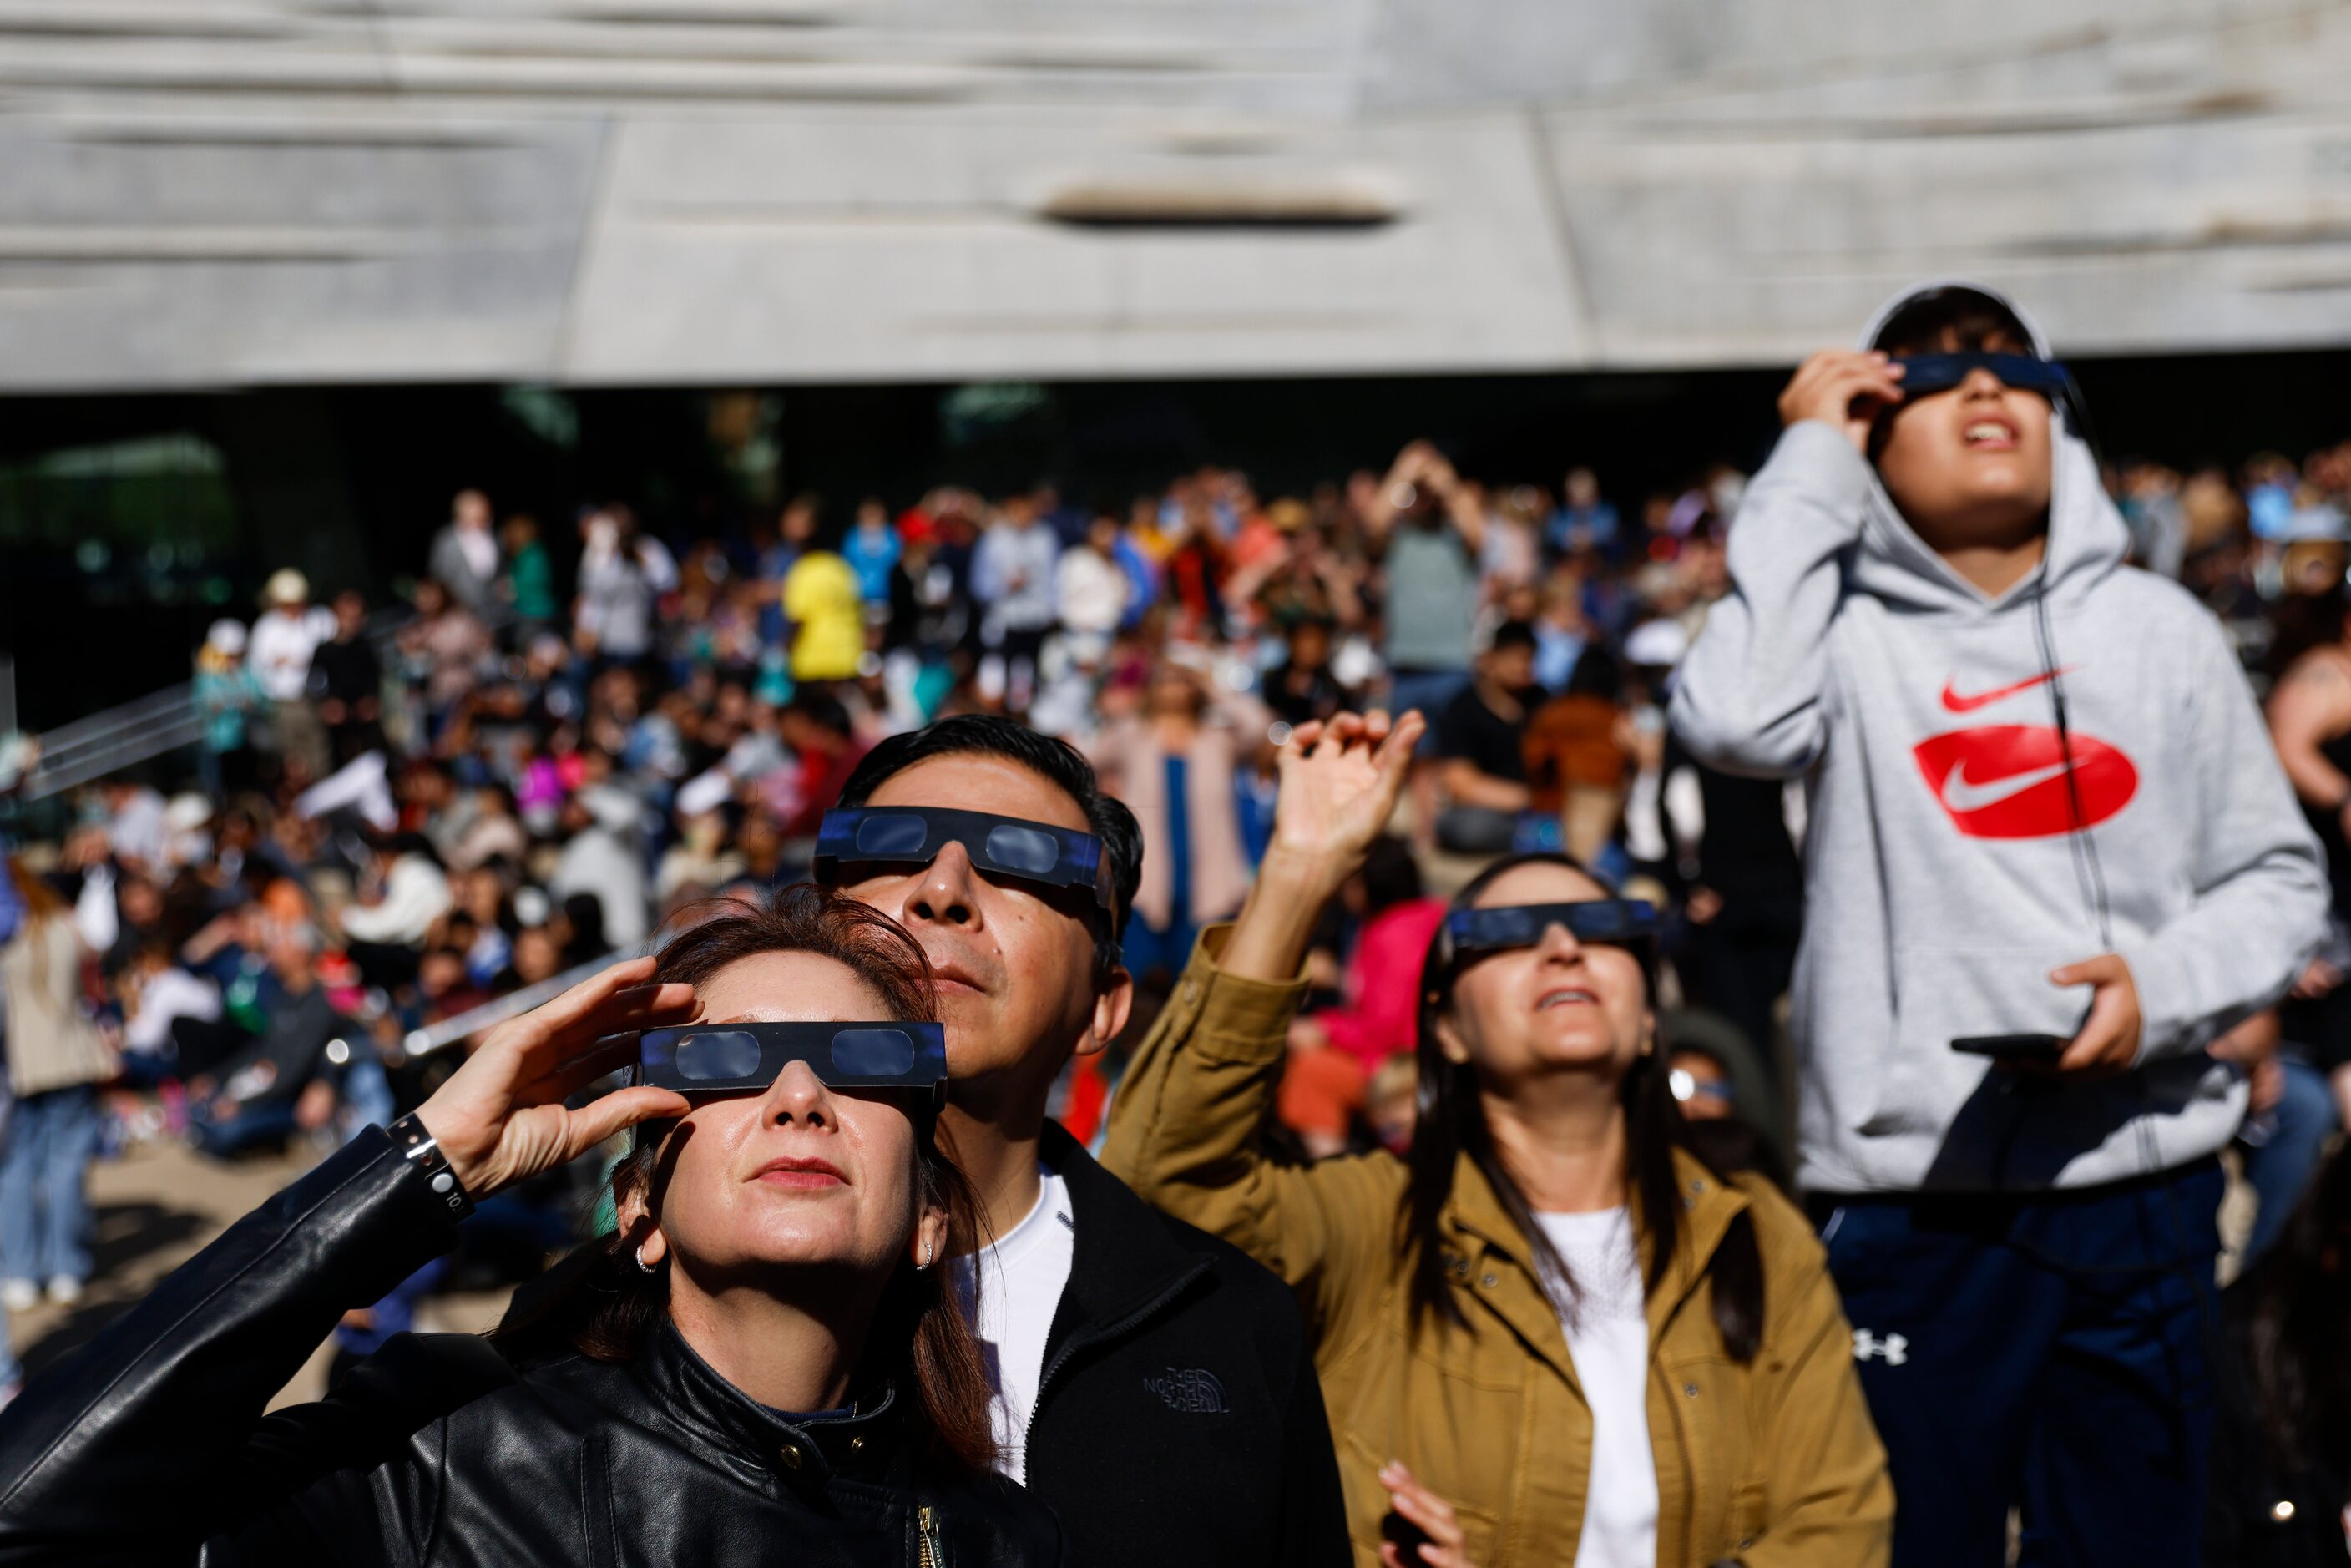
[(1180, 1422)]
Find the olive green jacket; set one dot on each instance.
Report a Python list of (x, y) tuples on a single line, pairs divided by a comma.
[(1767, 1464)]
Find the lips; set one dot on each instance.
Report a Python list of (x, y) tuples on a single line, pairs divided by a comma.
[(951, 974), (2011, 780), (1989, 432), (794, 1171)]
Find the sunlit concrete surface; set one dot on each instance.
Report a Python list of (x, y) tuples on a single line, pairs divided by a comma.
[(199, 193)]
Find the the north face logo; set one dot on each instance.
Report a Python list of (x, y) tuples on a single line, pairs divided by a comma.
[(1192, 1390)]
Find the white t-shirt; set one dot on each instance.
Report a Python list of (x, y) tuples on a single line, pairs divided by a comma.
[(278, 652), (169, 994), (481, 551), (1608, 1340), (1020, 1290)]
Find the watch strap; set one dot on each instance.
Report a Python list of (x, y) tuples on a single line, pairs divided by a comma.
[(417, 1146)]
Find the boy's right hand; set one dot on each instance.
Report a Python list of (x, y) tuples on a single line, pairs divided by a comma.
[(1844, 388)]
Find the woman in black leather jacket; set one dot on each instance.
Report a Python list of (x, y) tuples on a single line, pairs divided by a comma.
[(759, 1367)]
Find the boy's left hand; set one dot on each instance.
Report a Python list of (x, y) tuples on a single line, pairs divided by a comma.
[(2108, 1042)]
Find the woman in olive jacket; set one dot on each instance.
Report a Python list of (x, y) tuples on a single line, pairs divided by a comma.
[(760, 1366), (1554, 1334)]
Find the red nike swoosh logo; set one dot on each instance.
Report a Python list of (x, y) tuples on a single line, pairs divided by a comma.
[(1958, 703), (2010, 780)]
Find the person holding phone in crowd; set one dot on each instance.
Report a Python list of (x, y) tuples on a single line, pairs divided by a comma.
[(2044, 823), (1551, 1332), (1152, 1384), (765, 1362)]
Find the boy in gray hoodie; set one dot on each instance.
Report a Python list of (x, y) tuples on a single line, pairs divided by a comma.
[(2041, 802)]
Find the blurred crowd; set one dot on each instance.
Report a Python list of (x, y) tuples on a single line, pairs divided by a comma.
[(399, 814)]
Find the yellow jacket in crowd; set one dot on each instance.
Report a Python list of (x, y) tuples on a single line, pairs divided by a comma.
[(1773, 1464), (820, 599)]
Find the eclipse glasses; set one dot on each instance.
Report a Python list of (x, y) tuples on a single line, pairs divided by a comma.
[(1036, 852), (746, 1058), (1923, 374), (1609, 922)]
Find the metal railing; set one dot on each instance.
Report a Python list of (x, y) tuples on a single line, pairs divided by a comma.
[(496, 1011), (115, 738), (160, 722)]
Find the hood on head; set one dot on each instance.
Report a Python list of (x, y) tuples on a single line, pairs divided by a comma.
[(2087, 536), (1886, 312)]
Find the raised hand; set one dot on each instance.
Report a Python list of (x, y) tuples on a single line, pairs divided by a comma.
[(1845, 388), (1340, 782), (501, 1118)]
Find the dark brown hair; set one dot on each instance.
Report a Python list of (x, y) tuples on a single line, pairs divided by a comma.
[(1953, 319), (1452, 1124), (2298, 1333), (919, 1338), (40, 900), (1055, 761)]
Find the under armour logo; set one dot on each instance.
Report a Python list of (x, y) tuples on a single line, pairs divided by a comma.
[(1192, 1390), (1893, 1350)]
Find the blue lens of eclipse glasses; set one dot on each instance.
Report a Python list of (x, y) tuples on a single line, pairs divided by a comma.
[(1923, 374), (1614, 922), (746, 1058), (1005, 846)]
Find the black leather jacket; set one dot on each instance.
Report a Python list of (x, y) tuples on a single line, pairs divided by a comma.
[(150, 1447)]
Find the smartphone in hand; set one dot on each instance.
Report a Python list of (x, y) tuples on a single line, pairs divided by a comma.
[(2012, 1047)]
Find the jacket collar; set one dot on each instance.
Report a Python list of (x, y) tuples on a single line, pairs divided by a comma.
[(689, 1392), (1125, 1265), (1475, 1215)]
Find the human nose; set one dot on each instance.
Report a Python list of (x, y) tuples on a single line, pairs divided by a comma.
[(1980, 382), (799, 1096), (1558, 944), (946, 893)]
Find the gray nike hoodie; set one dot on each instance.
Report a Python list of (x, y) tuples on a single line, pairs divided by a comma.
[(1943, 872)]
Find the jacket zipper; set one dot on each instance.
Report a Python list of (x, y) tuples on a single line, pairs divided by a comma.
[(1078, 1342), (930, 1552)]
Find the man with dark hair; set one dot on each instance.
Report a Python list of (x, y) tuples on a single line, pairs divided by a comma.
[(346, 681), (2049, 858), (1153, 1383), (1480, 740), (1012, 579), (1302, 688), (282, 1081)]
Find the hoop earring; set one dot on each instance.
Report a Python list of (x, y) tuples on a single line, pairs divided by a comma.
[(644, 1267), (923, 1267)]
